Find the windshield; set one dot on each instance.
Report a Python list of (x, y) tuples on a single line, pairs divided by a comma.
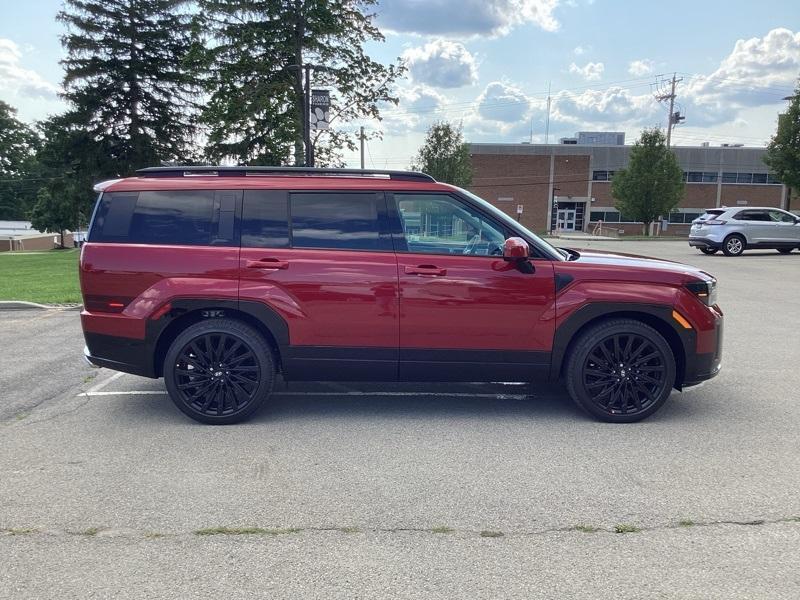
[(544, 247)]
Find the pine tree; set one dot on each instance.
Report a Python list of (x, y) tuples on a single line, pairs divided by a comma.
[(128, 80), (445, 155), (256, 112)]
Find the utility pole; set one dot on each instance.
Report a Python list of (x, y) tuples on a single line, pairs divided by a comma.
[(361, 137), (673, 118), (306, 119), (547, 122)]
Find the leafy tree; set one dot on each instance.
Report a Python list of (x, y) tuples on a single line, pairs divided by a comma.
[(51, 213), (129, 79), (783, 151), (256, 112), (652, 184), (18, 146), (445, 155)]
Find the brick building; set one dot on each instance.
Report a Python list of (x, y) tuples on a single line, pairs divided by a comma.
[(578, 178)]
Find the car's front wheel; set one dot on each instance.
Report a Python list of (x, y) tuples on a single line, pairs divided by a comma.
[(707, 250), (733, 245), (219, 371), (620, 370), (785, 250)]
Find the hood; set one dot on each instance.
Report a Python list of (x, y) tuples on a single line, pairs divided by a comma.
[(624, 261)]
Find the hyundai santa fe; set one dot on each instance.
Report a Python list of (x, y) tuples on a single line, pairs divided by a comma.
[(220, 279), (734, 230)]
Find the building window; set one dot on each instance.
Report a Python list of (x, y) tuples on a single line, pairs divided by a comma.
[(759, 178), (710, 177), (773, 179), (729, 178), (695, 177), (683, 217), (602, 175), (744, 178)]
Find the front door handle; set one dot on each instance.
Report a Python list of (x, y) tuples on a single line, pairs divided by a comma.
[(425, 270), (267, 263)]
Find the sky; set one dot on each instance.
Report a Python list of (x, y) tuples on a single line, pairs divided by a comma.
[(488, 64)]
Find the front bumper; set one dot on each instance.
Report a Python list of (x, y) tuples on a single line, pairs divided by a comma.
[(706, 365)]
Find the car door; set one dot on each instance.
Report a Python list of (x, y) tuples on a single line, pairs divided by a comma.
[(756, 225), (465, 313), (323, 260), (786, 229)]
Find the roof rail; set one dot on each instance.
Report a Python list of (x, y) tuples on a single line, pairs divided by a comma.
[(188, 171)]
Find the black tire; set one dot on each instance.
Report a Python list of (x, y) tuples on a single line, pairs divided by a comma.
[(785, 250), (734, 245), (219, 371), (620, 394), (709, 250)]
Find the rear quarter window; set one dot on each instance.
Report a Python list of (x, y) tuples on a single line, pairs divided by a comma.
[(185, 218), (338, 220)]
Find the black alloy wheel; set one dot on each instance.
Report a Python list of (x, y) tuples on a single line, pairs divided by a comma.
[(219, 371), (621, 371)]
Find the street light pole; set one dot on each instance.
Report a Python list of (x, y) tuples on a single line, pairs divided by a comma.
[(307, 118)]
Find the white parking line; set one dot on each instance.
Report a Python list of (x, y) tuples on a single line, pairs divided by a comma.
[(339, 394)]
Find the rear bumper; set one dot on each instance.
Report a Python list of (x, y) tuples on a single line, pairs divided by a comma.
[(701, 242), (118, 353)]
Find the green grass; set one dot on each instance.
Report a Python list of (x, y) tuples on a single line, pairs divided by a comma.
[(442, 529), (625, 528), (586, 528), (686, 523), (46, 277), (487, 533)]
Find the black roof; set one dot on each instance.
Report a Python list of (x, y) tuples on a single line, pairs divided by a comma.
[(188, 171)]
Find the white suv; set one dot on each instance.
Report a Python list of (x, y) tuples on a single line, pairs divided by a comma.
[(734, 230)]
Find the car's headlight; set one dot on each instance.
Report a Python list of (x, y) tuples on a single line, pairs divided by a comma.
[(706, 291)]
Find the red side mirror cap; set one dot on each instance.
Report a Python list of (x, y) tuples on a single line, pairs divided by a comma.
[(516, 248)]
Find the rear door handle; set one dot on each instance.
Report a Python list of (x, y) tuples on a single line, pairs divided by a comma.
[(425, 270), (267, 263)]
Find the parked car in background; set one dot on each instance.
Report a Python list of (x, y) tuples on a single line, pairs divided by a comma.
[(734, 230), (220, 278)]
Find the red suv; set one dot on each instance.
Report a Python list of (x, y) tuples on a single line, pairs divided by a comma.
[(219, 278)]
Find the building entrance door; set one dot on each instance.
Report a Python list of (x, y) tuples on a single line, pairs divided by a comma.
[(566, 219)]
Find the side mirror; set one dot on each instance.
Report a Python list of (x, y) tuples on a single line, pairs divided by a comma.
[(516, 249)]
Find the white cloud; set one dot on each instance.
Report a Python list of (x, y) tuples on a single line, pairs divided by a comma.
[(591, 71), (612, 107), (758, 71), (465, 17), (579, 50), (640, 68), (18, 80), (442, 63), (418, 107), (504, 103)]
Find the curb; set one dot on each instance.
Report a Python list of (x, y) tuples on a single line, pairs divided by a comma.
[(22, 305)]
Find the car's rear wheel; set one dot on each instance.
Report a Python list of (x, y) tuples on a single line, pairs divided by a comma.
[(708, 250), (734, 245), (620, 371), (785, 250), (219, 371)]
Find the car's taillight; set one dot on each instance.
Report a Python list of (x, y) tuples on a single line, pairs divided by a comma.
[(706, 291), (108, 304), (714, 222)]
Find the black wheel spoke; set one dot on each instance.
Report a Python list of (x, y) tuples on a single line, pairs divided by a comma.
[(624, 373), (217, 374)]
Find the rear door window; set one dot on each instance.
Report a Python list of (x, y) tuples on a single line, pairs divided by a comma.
[(338, 220), (265, 219), (173, 218)]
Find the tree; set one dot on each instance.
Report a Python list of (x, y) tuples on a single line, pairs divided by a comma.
[(51, 213), (128, 81), (783, 151), (652, 184), (256, 112), (18, 146), (444, 155)]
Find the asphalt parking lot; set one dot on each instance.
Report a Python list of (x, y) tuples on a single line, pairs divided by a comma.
[(437, 491)]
